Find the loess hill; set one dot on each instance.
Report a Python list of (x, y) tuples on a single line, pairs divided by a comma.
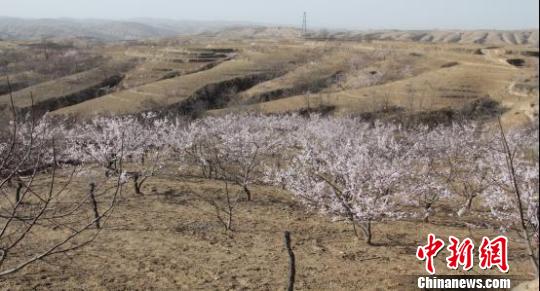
[(274, 70)]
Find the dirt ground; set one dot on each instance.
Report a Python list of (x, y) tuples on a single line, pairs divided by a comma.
[(170, 239)]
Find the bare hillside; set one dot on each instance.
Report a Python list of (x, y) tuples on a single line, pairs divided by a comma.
[(487, 37)]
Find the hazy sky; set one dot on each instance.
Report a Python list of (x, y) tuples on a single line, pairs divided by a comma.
[(362, 14)]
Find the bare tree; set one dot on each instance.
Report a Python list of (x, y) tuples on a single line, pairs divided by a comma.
[(521, 208), (44, 204), (225, 213), (223, 207)]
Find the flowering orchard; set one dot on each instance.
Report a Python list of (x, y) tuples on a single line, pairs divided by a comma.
[(354, 172)]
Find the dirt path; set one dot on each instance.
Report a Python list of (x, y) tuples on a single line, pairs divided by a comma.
[(494, 55), (512, 90)]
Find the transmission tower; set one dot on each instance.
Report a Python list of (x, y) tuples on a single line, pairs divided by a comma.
[(304, 25)]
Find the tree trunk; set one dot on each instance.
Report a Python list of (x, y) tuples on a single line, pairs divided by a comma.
[(427, 213), (292, 262), (248, 193), (524, 231), (18, 192), (229, 208), (366, 231), (469, 202), (530, 250), (136, 184), (426, 217), (95, 205)]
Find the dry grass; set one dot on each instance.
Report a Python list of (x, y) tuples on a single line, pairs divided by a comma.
[(176, 90), (435, 77), (62, 87), (415, 76), (170, 239)]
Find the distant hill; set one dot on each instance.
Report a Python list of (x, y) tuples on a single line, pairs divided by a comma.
[(143, 28), (484, 37), (255, 32), (108, 30)]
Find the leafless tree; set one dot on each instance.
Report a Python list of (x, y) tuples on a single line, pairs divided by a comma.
[(224, 207), (227, 218), (525, 230), (44, 203)]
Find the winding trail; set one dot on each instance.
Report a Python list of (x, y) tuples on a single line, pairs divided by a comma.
[(494, 55), (512, 91)]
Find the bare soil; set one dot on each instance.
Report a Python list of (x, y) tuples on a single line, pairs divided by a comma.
[(170, 239)]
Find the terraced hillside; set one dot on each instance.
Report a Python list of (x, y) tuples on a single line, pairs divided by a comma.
[(69, 90), (216, 74), (224, 73)]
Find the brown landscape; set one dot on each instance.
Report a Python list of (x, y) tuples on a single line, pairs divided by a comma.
[(168, 237), (275, 71)]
